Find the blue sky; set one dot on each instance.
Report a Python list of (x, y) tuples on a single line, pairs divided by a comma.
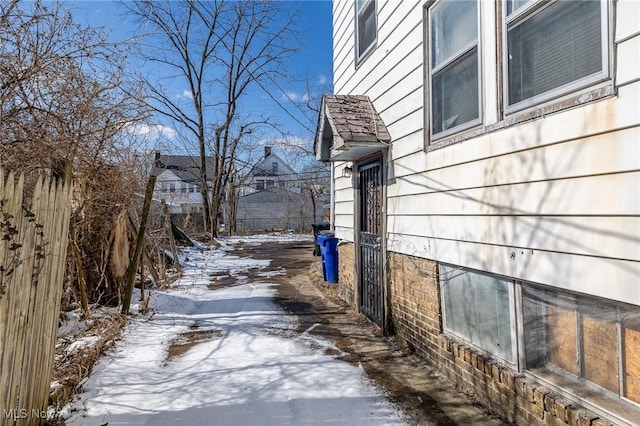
[(312, 66)]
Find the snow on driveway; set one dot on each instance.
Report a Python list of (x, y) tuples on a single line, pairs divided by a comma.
[(251, 368)]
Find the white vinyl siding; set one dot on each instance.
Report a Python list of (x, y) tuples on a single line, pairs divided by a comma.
[(550, 199), (545, 190), (556, 191), (399, 100)]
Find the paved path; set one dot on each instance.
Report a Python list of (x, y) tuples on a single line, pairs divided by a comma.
[(426, 397), (219, 350)]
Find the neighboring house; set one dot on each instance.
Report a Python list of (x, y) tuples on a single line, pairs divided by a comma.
[(269, 172), (178, 182), (486, 192), (271, 197)]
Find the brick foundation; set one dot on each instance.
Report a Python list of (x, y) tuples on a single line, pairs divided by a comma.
[(346, 272), (417, 319)]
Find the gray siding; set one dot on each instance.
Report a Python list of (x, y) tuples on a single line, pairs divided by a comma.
[(275, 209)]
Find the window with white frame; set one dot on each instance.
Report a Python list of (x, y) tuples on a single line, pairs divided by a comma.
[(366, 26), (454, 66), (552, 48), (480, 309)]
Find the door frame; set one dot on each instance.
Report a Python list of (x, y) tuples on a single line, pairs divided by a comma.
[(381, 157)]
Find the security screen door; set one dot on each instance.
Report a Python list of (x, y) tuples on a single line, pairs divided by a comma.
[(370, 229)]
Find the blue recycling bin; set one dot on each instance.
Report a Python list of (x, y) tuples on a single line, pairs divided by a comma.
[(329, 251)]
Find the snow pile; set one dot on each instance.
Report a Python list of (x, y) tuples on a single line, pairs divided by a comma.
[(246, 366)]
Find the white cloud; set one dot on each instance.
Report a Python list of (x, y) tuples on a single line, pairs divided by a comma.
[(296, 97), (153, 131), (322, 80), (290, 96), (187, 94)]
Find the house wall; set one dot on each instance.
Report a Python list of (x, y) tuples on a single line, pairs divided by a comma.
[(181, 197), (391, 76), (346, 272), (283, 176), (552, 200), (541, 189)]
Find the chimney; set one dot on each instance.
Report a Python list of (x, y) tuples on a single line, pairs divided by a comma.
[(267, 151), (156, 161)]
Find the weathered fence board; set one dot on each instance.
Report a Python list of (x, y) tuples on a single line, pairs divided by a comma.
[(32, 255)]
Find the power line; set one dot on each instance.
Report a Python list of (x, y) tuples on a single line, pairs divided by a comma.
[(302, 179)]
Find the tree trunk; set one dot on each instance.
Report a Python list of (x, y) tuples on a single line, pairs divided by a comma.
[(82, 281), (172, 242), (204, 190), (133, 266)]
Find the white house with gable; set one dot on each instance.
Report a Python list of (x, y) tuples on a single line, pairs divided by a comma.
[(269, 172), (178, 182)]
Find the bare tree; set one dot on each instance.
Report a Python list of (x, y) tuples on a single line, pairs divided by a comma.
[(60, 89), (65, 107), (219, 50), (315, 183)]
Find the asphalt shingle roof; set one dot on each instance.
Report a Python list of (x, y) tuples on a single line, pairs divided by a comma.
[(186, 167), (355, 118), (349, 127)]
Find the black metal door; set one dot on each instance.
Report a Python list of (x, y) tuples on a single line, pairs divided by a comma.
[(370, 280)]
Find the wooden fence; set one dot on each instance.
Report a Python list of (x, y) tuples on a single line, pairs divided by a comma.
[(33, 246)]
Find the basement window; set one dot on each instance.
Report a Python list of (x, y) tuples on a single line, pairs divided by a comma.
[(592, 341), (480, 309)]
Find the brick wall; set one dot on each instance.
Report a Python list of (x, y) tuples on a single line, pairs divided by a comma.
[(346, 272), (416, 316)]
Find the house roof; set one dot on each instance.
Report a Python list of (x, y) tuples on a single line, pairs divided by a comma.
[(185, 167), (349, 127), (263, 167)]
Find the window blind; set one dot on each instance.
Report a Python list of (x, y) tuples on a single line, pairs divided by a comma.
[(556, 46)]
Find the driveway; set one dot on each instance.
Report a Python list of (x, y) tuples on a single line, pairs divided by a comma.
[(248, 336), (425, 397)]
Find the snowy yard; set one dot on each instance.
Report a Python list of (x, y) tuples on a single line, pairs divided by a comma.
[(210, 354)]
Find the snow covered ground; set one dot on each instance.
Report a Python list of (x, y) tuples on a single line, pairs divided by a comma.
[(245, 364)]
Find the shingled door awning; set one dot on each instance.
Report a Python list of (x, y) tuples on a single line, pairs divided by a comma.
[(349, 128)]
